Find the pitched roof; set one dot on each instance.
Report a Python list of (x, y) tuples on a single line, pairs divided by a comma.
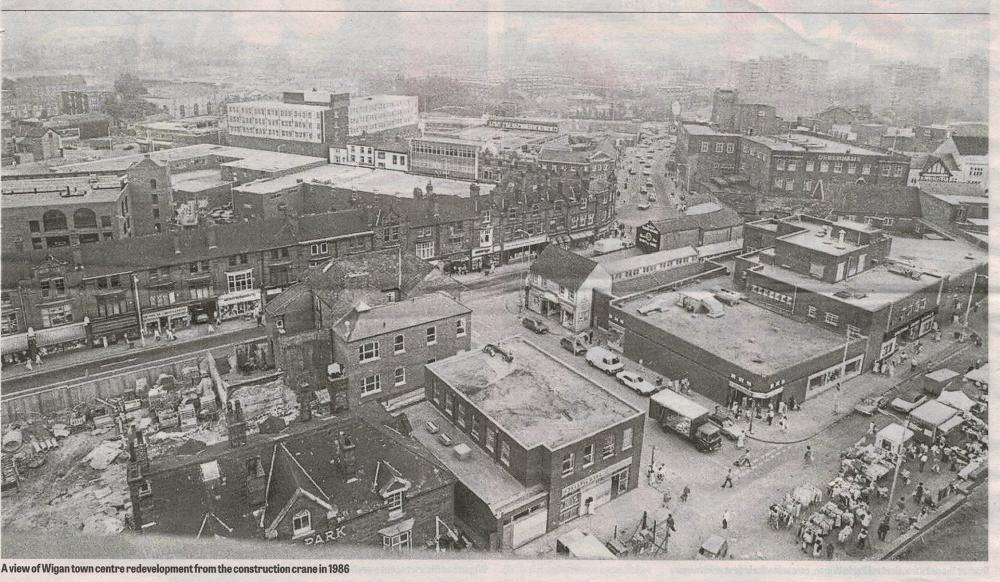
[(722, 218), (874, 199), (142, 253), (971, 145), (398, 315), (562, 266)]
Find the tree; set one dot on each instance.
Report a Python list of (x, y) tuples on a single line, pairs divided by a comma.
[(129, 87)]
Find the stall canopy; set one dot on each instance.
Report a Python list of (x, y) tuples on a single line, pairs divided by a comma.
[(980, 375), (582, 545), (893, 437), (933, 413), (957, 400)]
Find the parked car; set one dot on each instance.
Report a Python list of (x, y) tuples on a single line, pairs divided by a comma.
[(643, 206), (605, 360), (636, 383), (575, 346), (908, 400), (535, 324)]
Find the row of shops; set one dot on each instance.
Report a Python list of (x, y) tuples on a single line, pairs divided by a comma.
[(525, 249), (44, 342)]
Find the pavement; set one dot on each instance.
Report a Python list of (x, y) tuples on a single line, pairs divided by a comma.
[(89, 362)]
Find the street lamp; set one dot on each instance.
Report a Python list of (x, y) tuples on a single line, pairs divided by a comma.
[(138, 309), (972, 290)]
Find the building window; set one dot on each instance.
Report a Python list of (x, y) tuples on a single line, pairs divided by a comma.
[(431, 335), (824, 166), (704, 147), (162, 298), (449, 402), (33, 226), (505, 453), (145, 489), (399, 376), (627, 436), (425, 250), (832, 319), (853, 331), (395, 502), (54, 220), (838, 167), (718, 147), (319, 249), (398, 346), (810, 165), (567, 464), (84, 218), (367, 352), (791, 165), (397, 542), (8, 321), (240, 281), (203, 291), (730, 148), (474, 429), (491, 437), (779, 164), (460, 414), (371, 384), (460, 328), (609, 446), (811, 312), (852, 167), (885, 170), (866, 169), (59, 315), (588, 455), (53, 287), (240, 259), (301, 523)]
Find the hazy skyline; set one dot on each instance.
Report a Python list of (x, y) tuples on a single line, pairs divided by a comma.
[(847, 41)]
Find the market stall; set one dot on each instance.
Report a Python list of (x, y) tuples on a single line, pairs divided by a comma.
[(893, 438), (957, 400), (931, 420)]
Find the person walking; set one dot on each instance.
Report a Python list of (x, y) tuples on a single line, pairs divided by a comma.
[(770, 417), (727, 517), (784, 423), (741, 440), (923, 461), (871, 428), (829, 549), (729, 479), (809, 455), (670, 522), (918, 494), (686, 493), (883, 529)]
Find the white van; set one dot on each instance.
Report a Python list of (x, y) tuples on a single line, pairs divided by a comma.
[(605, 360)]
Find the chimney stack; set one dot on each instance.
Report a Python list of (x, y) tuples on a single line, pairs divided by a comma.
[(347, 456), (418, 194), (304, 396), (429, 189), (236, 425), (473, 190)]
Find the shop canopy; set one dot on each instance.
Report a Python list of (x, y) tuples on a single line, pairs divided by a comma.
[(933, 413), (895, 435), (957, 400)]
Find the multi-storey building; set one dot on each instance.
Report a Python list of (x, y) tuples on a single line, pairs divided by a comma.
[(89, 100), (374, 114), (730, 115), (561, 286), (703, 152), (373, 152), (445, 157), (325, 482), (533, 443), (161, 135), (115, 288), (40, 96), (280, 126), (184, 99)]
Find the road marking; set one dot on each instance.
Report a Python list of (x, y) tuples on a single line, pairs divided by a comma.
[(118, 363)]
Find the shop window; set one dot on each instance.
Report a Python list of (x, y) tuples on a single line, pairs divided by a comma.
[(8, 322), (59, 315)]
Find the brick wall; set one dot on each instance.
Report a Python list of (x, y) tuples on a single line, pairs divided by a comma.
[(319, 150)]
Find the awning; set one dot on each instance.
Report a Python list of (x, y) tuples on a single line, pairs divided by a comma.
[(753, 394), (580, 235), (951, 423), (104, 326), (63, 333), (398, 528), (525, 242), (239, 297), (169, 313), (550, 297), (14, 343)]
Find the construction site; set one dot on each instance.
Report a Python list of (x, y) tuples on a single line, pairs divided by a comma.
[(64, 449)]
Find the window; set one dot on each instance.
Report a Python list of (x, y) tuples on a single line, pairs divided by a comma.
[(449, 402), (866, 169), (240, 281), (459, 328), (398, 346), (718, 147), (425, 250), (627, 439), (832, 319), (791, 165), (84, 218), (460, 414), (567, 464), (162, 297), (8, 321), (54, 220), (371, 384), (145, 489), (198, 266), (319, 249), (33, 226), (59, 315), (885, 170), (240, 259), (897, 171), (397, 542), (779, 164), (474, 429), (824, 166), (588, 455), (202, 291), (811, 312), (505, 453), (301, 523), (154, 198), (852, 167), (609, 446), (431, 335), (53, 287), (395, 502), (810, 165), (368, 351), (704, 147), (790, 185), (838, 167), (730, 148), (491, 437), (156, 213), (853, 331)]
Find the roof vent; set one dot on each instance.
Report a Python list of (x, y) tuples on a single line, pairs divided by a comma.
[(462, 451), (362, 307)]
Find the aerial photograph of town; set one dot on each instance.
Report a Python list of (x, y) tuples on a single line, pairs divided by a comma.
[(610, 281)]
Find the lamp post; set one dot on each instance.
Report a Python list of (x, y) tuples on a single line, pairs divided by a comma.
[(972, 290), (138, 309)]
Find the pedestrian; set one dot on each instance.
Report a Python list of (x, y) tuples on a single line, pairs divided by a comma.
[(666, 499), (27, 364), (871, 428), (862, 538), (729, 479), (923, 461), (770, 417), (211, 328), (809, 455), (829, 550), (845, 534), (686, 493), (38, 358), (883, 529), (740, 439), (784, 424), (670, 522), (156, 334), (260, 319), (782, 407), (818, 547), (170, 334), (918, 494), (746, 459), (726, 518)]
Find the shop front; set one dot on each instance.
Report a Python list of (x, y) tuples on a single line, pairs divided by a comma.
[(840, 372), (746, 396), (910, 331), (239, 304), (456, 263), (484, 258), (523, 250), (163, 319), (586, 495), (60, 339), (110, 331), (14, 348)]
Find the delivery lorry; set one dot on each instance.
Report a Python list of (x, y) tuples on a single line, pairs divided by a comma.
[(687, 418)]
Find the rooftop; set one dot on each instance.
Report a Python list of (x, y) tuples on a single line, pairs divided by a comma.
[(757, 339), (971, 145), (479, 472), (812, 237), (878, 287), (390, 182), (956, 192), (810, 143), (699, 129), (46, 191), (562, 266), (253, 159), (282, 105), (398, 315), (619, 264), (537, 398), (197, 180)]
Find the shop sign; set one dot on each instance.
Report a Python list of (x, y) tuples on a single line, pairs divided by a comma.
[(326, 536), (647, 238), (598, 476), (836, 158), (481, 252), (239, 297)]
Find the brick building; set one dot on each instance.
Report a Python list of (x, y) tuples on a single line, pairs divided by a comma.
[(545, 446), (316, 483), (561, 285), (703, 152), (719, 224), (161, 135), (388, 153)]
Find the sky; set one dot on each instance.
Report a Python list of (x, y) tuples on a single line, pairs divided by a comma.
[(846, 40)]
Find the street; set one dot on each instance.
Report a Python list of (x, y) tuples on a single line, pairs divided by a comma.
[(667, 202)]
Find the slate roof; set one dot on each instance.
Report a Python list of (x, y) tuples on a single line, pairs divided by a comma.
[(142, 253), (563, 267), (303, 457), (398, 315), (723, 218), (971, 145), (872, 199)]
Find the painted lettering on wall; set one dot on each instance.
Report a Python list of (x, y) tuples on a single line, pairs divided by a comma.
[(326, 536)]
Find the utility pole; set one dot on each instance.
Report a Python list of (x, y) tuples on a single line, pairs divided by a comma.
[(895, 474)]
